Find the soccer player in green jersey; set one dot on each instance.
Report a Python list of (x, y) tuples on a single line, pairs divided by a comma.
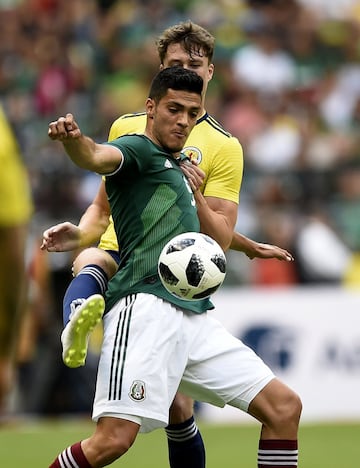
[(153, 342), (219, 155)]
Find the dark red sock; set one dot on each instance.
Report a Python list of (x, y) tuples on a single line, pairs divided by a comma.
[(69, 456)]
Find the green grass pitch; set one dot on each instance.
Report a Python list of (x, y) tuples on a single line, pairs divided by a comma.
[(35, 445)]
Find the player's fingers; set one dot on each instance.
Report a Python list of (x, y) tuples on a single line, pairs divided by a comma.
[(57, 128), (52, 131), (192, 175), (69, 118), (193, 169), (48, 245), (285, 255), (70, 123), (197, 176), (46, 239), (193, 186), (198, 171), (64, 127), (289, 257)]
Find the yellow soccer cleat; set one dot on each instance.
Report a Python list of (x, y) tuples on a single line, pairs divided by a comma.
[(75, 336)]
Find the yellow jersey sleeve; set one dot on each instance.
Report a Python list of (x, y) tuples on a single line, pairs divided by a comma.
[(15, 195)]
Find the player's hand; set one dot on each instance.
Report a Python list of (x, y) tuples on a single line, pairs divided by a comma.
[(270, 251), (64, 129), (193, 173), (62, 237)]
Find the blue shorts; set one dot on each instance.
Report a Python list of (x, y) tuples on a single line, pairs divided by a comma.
[(115, 255)]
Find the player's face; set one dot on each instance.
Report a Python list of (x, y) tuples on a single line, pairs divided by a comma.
[(173, 118), (176, 55)]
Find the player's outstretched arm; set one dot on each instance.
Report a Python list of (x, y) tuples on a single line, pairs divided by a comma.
[(217, 216), (82, 150), (95, 219), (216, 222), (62, 237), (255, 249), (66, 236)]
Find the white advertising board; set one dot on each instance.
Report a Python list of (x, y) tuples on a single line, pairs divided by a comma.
[(310, 337)]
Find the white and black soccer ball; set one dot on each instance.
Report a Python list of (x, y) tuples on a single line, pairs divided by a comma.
[(192, 266)]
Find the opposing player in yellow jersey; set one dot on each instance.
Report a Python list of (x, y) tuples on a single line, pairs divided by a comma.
[(15, 212), (220, 156)]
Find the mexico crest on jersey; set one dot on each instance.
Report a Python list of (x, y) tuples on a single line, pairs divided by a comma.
[(137, 390), (193, 153)]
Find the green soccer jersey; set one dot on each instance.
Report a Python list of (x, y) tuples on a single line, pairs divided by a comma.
[(151, 202)]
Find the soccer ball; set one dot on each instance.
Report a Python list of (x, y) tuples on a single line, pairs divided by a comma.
[(192, 266)]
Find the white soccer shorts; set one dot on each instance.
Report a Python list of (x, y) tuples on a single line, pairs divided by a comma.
[(151, 347)]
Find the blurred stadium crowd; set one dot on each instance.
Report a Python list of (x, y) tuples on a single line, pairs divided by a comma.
[(287, 84)]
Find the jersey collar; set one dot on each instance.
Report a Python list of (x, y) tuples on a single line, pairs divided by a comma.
[(202, 118)]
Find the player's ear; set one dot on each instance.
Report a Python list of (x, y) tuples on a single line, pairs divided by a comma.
[(161, 66), (150, 107), (211, 71)]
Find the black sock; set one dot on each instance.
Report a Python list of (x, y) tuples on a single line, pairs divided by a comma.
[(185, 444)]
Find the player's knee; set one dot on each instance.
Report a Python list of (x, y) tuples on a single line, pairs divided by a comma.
[(116, 447), (95, 256), (279, 408), (288, 410), (182, 409), (296, 407), (113, 440)]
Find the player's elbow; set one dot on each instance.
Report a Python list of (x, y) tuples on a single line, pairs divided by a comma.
[(225, 243), (222, 237), (225, 235)]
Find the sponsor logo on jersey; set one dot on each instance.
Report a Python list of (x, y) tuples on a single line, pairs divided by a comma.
[(193, 153), (168, 164), (137, 390)]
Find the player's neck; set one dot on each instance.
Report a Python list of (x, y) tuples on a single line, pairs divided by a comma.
[(201, 113)]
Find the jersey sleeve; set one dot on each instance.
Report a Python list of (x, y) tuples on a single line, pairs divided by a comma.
[(224, 179), (133, 149)]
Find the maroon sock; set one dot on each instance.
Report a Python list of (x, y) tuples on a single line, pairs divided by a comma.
[(70, 457), (278, 454)]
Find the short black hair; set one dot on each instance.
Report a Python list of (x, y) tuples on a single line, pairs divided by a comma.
[(178, 78)]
